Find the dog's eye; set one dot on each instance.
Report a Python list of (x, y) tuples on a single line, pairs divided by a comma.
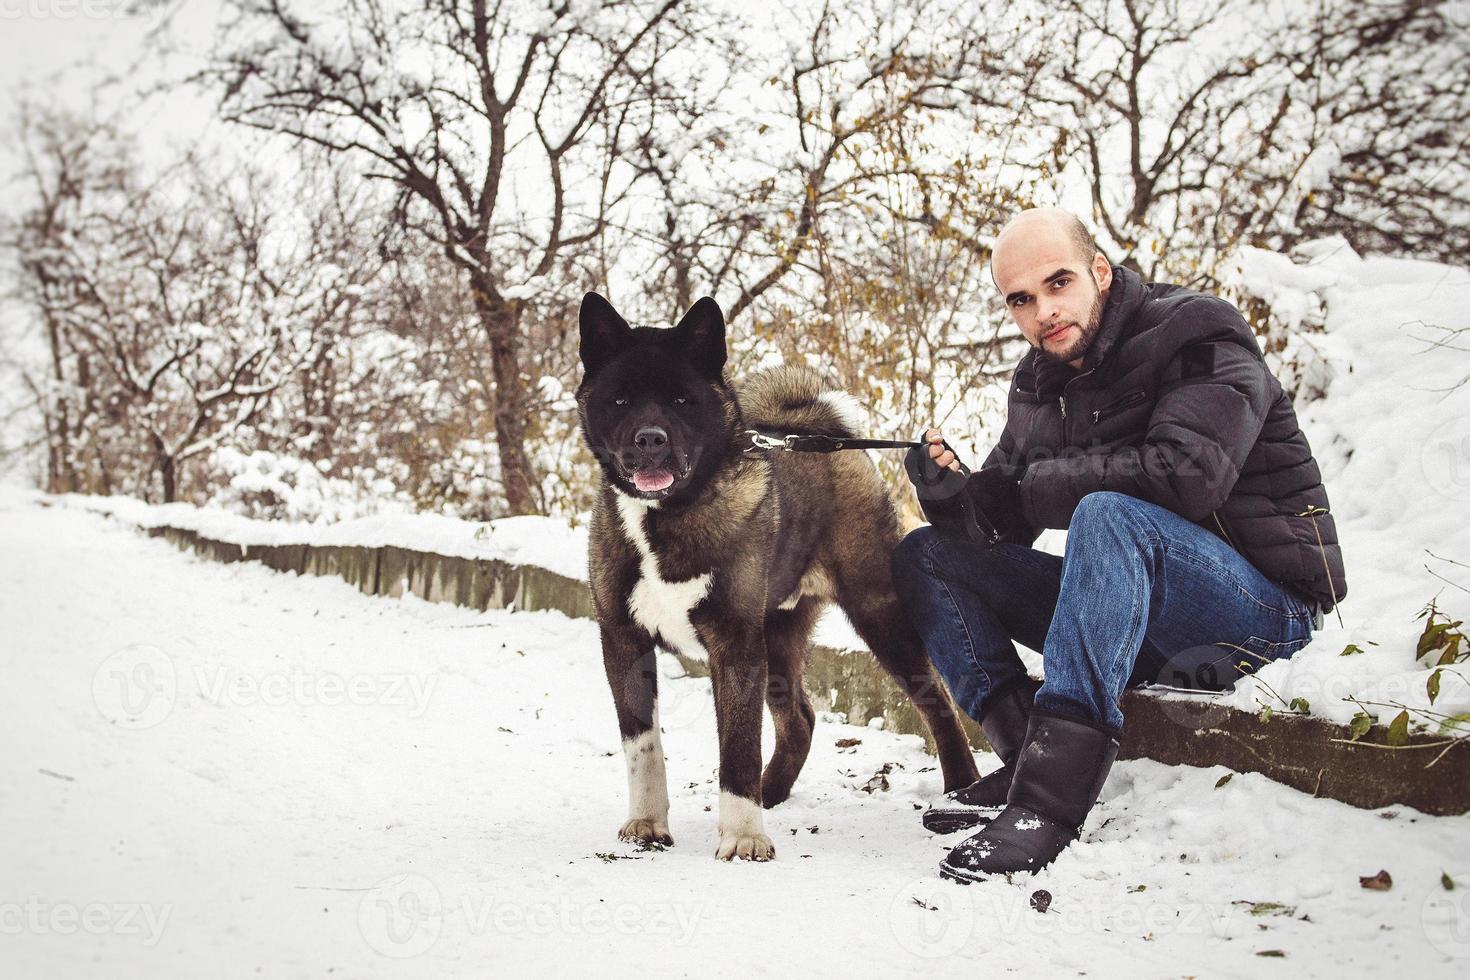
[(620, 401), (680, 400)]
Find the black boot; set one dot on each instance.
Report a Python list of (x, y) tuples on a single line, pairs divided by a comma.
[(1004, 725), (1059, 774)]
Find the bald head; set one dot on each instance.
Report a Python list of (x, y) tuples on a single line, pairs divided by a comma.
[(1043, 224)]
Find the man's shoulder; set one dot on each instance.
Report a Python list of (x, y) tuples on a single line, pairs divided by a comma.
[(1163, 300), (1186, 315)]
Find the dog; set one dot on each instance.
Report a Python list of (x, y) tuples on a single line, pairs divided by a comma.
[(702, 547)]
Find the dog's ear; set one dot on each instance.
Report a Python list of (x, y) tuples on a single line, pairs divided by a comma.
[(702, 332), (604, 333)]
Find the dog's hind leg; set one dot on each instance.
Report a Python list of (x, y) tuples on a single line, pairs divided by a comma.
[(788, 640), (632, 673), (865, 592)]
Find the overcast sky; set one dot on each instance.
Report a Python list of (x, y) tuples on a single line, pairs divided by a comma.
[(72, 52), (42, 41)]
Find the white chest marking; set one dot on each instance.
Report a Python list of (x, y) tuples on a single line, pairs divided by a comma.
[(659, 606)]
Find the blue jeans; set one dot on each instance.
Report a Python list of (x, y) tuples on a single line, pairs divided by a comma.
[(1142, 596)]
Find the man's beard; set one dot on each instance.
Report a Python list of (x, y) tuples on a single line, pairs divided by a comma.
[(1086, 334)]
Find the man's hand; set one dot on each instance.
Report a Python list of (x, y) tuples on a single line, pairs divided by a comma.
[(939, 478), (983, 507), (996, 494), (940, 453), (937, 475)]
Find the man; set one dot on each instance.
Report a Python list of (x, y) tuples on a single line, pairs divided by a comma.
[(1199, 544)]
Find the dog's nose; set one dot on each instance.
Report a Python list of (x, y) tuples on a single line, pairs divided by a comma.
[(650, 438)]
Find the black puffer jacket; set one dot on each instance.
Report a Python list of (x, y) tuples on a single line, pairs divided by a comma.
[(1174, 405)]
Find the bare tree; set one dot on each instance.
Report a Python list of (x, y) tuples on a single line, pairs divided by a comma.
[(504, 127), (774, 179), (1389, 97), (1162, 120), (1199, 128), (174, 307), (69, 165)]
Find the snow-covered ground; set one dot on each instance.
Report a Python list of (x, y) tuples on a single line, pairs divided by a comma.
[(222, 770)]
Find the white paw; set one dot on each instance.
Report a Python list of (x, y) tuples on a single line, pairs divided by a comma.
[(646, 830), (746, 847)]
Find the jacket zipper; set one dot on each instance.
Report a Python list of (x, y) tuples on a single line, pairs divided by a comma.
[(1062, 401), (1128, 400)]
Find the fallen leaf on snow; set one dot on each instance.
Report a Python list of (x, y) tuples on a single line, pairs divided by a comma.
[(1381, 882)]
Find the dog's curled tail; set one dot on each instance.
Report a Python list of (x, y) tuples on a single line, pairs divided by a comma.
[(798, 399)]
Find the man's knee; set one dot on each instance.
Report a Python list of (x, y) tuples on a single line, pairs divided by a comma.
[(1111, 526), (926, 556), (1106, 509), (910, 558), (1102, 503)]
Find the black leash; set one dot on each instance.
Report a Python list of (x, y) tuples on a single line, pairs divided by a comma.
[(930, 481), (818, 444)]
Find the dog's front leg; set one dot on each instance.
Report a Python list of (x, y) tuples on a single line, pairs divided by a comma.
[(632, 673), (737, 660)]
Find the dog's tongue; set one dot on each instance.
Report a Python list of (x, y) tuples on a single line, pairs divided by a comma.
[(653, 480)]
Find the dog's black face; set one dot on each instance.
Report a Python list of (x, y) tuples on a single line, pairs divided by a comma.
[(654, 405)]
